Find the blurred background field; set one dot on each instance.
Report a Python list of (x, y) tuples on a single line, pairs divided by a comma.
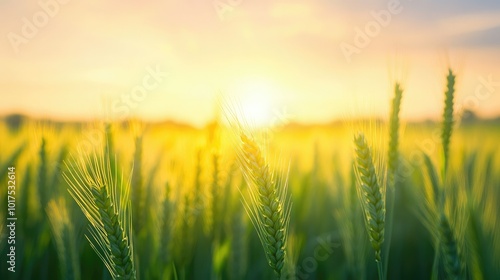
[(188, 219)]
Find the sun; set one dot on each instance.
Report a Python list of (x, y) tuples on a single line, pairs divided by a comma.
[(256, 109), (256, 103)]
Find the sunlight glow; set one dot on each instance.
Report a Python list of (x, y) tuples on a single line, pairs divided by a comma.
[(256, 105)]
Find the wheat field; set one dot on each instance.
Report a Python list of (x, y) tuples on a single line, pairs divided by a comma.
[(364, 199)]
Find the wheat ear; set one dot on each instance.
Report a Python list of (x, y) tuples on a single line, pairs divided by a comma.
[(392, 166), (269, 205), (448, 118), (103, 198), (371, 195), (394, 123)]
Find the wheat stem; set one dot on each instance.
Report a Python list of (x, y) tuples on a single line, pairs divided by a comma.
[(138, 187), (392, 166), (449, 248), (65, 239), (166, 223)]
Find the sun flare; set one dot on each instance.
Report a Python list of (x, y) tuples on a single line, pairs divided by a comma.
[(256, 103), (257, 111)]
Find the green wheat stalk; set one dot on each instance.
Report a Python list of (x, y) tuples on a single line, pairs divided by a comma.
[(447, 119), (65, 239), (166, 225), (238, 254), (394, 124), (269, 205), (372, 198), (392, 164), (44, 189), (138, 187), (104, 200), (216, 197), (449, 249)]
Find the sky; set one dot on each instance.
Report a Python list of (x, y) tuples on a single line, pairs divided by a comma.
[(313, 61)]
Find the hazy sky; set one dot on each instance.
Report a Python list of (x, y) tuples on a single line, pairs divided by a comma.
[(84, 58)]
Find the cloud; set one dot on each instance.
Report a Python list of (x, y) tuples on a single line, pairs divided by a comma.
[(470, 23)]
